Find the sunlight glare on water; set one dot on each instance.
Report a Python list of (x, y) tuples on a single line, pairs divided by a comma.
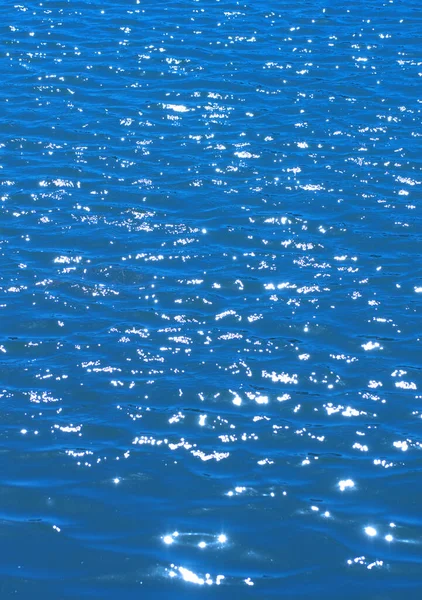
[(210, 299)]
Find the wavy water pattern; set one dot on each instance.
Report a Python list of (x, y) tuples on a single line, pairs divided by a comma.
[(210, 376)]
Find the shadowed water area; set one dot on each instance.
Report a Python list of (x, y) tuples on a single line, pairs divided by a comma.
[(210, 300)]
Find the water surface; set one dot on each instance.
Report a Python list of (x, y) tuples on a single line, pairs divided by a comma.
[(210, 300)]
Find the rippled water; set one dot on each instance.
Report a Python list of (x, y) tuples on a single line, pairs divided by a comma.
[(210, 300)]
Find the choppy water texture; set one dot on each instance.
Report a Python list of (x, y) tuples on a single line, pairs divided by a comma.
[(210, 300)]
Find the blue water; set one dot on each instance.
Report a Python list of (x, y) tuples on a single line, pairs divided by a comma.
[(210, 377)]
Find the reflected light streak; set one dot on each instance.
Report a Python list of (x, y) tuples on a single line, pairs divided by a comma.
[(191, 577)]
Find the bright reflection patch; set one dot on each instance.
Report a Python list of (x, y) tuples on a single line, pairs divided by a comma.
[(371, 531), (191, 577), (345, 484), (371, 346)]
